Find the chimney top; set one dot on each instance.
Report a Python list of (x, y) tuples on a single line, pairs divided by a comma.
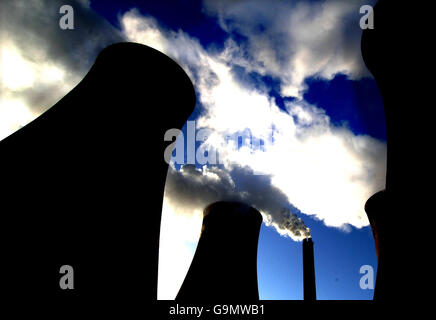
[(308, 240)]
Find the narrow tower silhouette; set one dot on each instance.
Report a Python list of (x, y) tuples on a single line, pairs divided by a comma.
[(309, 270)]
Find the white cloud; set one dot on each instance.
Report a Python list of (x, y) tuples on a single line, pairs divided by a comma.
[(191, 190), (16, 73), (293, 40), (28, 87)]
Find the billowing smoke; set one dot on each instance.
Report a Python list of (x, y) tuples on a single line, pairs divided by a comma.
[(191, 189)]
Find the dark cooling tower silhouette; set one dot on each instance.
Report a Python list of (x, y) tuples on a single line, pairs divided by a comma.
[(378, 215), (82, 185), (224, 267), (393, 213), (309, 282)]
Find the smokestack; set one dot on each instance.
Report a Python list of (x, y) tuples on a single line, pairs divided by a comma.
[(225, 262), (309, 270)]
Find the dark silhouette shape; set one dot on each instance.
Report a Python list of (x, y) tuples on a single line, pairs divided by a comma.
[(224, 267), (378, 215), (387, 52), (309, 282), (83, 184)]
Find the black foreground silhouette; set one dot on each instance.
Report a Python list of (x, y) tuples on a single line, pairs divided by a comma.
[(82, 185)]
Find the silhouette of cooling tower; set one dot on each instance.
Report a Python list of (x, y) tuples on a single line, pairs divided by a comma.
[(309, 282), (84, 182), (224, 266), (392, 211), (376, 209)]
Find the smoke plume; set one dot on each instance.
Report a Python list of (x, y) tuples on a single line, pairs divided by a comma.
[(191, 189)]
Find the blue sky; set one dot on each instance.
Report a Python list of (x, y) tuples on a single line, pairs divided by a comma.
[(292, 68)]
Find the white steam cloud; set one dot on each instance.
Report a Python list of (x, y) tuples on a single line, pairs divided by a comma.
[(293, 40), (193, 189)]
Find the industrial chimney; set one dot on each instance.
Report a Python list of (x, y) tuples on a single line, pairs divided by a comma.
[(308, 270), (224, 267)]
